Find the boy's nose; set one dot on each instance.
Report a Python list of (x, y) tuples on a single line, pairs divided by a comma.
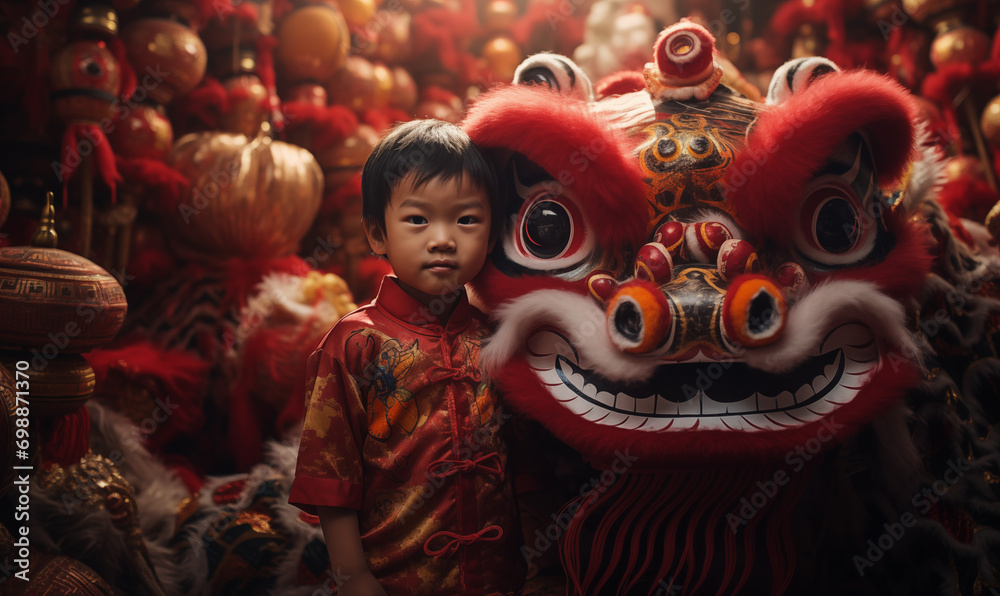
[(441, 240)]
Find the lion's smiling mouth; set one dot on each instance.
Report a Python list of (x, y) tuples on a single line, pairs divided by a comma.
[(710, 395)]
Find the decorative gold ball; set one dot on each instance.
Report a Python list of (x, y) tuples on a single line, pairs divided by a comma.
[(404, 90), (384, 82), (248, 105), (357, 12), (502, 57), (958, 45), (922, 10), (990, 123), (354, 85), (391, 43), (500, 15), (964, 166), (169, 59), (312, 43)]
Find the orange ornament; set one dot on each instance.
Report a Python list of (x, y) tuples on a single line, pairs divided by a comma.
[(384, 82), (354, 85), (959, 44), (168, 58), (502, 55), (313, 42), (922, 10), (357, 12), (404, 90), (500, 15)]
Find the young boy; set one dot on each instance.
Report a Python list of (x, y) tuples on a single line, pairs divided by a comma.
[(402, 456)]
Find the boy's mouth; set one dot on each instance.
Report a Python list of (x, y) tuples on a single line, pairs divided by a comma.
[(441, 266)]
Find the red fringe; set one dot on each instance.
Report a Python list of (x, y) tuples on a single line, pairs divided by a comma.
[(537, 23), (242, 275), (376, 118), (101, 150), (68, 438), (436, 31), (337, 200), (202, 108), (166, 183), (330, 124), (943, 85), (182, 375), (791, 15), (438, 94)]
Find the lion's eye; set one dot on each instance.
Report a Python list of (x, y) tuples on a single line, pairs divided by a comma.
[(839, 218), (549, 233), (547, 230)]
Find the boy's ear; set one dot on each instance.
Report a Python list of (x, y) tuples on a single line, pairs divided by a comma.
[(376, 237)]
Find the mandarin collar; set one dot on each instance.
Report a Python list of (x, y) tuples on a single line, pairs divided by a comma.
[(397, 303)]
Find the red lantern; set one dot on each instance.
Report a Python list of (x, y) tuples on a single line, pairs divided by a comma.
[(142, 132), (169, 59), (85, 81)]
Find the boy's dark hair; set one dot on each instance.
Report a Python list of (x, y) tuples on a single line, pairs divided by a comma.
[(425, 149)]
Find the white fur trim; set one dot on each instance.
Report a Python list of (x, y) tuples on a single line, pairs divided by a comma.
[(579, 317), (778, 91), (827, 305)]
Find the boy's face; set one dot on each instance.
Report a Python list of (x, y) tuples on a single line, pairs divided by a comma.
[(436, 236)]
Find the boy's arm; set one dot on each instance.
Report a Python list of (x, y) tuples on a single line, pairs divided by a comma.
[(347, 558)]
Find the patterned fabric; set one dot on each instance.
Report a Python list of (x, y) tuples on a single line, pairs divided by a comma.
[(402, 426)]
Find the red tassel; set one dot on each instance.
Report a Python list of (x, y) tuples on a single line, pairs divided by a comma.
[(74, 137), (68, 438), (167, 184)]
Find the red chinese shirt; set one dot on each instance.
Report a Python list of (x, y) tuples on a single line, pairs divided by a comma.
[(401, 425)]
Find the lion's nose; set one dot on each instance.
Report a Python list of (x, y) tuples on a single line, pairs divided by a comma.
[(639, 318)]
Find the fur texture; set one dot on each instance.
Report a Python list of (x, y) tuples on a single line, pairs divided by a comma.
[(764, 192), (827, 305), (543, 125)]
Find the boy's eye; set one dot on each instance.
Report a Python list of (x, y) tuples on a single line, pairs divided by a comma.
[(467, 220), (416, 219)]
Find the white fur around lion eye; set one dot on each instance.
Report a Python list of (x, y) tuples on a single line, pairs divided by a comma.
[(557, 73), (549, 233), (839, 219)]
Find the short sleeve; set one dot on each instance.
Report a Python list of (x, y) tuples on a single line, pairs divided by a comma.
[(328, 471)]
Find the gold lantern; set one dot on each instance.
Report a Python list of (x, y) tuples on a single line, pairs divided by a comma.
[(250, 197), (312, 43), (169, 58)]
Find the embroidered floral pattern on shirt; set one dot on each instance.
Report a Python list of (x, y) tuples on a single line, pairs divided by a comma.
[(390, 404)]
